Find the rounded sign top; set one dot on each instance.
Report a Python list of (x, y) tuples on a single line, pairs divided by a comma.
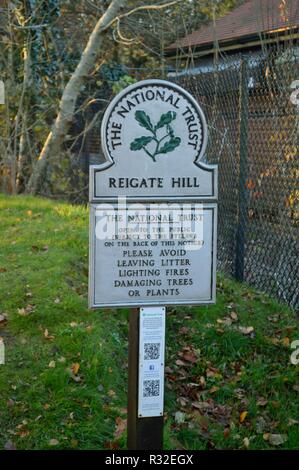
[(154, 120)]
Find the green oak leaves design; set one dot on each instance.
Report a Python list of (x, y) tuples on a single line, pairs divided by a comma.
[(163, 146)]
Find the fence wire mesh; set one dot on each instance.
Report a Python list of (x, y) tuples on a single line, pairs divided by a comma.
[(253, 137)]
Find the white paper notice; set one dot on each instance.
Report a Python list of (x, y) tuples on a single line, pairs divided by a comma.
[(151, 361)]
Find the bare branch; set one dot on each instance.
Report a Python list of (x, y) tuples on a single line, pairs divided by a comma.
[(142, 8)]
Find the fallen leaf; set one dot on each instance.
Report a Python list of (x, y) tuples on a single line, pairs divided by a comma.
[(23, 433), (243, 416), (179, 417), (52, 365), (76, 378), (262, 401), (274, 341), (75, 368), (190, 358), (184, 330), (246, 442), (273, 318), (277, 439), (182, 401), (3, 319), (275, 404), (111, 445), (74, 443), (202, 381), (24, 312), (53, 442), (226, 433), (292, 422), (214, 389), (234, 316), (121, 425), (239, 393), (226, 321), (261, 425), (212, 372), (286, 342), (180, 363), (246, 330), (47, 336)]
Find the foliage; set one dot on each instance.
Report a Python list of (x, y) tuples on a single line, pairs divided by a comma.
[(123, 82), (42, 44), (230, 383)]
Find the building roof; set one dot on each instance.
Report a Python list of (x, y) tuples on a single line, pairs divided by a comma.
[(250, 19)]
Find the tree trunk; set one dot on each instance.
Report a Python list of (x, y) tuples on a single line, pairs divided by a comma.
[(23, 116), (22, 157), (68, 100)]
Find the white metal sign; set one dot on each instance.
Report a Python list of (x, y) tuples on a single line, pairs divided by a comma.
[(151, 362), (153, 219)]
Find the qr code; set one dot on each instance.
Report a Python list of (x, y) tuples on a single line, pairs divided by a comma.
[(151, 351), (151, 388)]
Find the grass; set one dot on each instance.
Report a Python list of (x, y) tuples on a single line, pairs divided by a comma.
[(63, 385)]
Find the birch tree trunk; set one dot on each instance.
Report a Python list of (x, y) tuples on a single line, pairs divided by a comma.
[(68, 100)]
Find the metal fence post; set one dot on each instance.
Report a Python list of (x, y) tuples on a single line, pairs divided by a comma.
[(242, 220)]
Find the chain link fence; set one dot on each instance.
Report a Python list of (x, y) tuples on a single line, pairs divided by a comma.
[(253, 137)]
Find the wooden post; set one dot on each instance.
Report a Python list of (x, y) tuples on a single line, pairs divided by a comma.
[(143, 433)]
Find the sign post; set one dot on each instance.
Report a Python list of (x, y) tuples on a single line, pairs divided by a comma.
[(153, 231), (145, 427)]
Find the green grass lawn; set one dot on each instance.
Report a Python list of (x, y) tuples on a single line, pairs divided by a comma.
[(230, 383)]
